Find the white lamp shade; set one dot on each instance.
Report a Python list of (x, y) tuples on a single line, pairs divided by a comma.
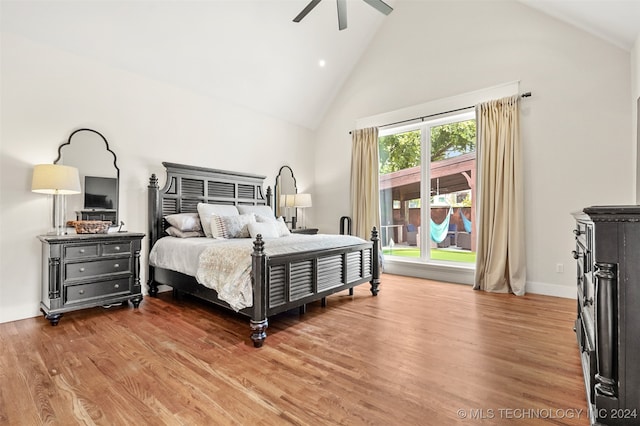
[(55, 179), (303, 200)]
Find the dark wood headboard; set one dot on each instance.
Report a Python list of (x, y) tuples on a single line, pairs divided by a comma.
[(186, 186)]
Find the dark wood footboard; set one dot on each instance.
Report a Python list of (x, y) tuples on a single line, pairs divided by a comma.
[(285, 282)]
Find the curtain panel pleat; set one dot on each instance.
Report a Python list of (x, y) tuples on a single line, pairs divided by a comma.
[(500, 261), (365, 192)]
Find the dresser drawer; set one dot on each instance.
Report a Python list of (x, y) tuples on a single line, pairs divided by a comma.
[(81, 270), (84, 292), (587, 353), (121, 247), (78, 252), (93, 250)]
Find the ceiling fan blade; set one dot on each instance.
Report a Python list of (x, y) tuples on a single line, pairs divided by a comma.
[(381, 6), (306, 10), (342, 14)]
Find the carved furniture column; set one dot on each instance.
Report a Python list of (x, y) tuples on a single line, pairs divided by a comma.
[(605, 323)]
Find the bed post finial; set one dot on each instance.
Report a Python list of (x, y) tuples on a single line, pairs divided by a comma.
[(375, 260), (153, 181), (258, 245), (269, 195)]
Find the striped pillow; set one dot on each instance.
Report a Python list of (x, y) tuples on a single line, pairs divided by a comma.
[(218, 227)]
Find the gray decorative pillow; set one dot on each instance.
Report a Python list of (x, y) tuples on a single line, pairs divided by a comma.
[(237, 226), (185, 221), (175, 232)]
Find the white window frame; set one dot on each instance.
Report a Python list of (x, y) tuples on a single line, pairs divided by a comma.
[(425, 180)]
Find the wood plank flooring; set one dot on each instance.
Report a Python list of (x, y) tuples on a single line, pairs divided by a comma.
[(420, 353)]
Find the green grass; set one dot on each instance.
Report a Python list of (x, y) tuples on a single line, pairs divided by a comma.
[(462, 256)]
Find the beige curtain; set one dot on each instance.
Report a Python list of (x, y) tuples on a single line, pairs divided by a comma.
[(365, 193), (500, 262)]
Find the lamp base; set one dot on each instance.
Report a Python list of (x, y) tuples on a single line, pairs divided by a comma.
[(59, 212)]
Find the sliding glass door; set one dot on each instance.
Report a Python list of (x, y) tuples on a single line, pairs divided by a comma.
[(427, 185)]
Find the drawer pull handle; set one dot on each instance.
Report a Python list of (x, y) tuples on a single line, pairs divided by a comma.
[(588, 302), (576, 255), (81, 292), (117, 265), (81, 250), (117, 248), (578, 232), (117, 286), (81, 269)]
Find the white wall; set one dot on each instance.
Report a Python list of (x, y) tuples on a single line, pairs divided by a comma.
[(47, 93), (575, 128)]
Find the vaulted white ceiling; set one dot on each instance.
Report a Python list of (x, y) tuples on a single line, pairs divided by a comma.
[(617, 21), (249, 52)]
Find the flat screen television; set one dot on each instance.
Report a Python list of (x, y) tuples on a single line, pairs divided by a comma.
[(100, 193)]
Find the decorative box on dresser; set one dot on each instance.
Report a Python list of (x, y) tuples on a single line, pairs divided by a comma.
[(608, 311), (86, 270)]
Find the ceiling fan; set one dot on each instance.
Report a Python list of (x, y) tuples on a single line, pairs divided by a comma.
[(381, 6)]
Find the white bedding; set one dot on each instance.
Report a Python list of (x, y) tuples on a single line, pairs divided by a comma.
[(225, 265)]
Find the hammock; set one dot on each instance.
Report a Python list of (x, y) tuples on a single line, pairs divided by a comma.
[(466, 222), (439, 230)]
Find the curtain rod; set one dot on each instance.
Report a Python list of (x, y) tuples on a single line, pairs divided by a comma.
[(524, 95)]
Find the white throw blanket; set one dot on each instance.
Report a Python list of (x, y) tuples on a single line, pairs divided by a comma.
[(226, 268)]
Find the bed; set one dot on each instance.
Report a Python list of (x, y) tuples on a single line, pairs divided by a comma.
[(279, 281)]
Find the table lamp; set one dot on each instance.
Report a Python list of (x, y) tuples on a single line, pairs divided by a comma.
[(59, 181), (302, 201)]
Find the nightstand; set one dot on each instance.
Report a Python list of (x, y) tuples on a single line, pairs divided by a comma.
[(87, 270), (310, 231)]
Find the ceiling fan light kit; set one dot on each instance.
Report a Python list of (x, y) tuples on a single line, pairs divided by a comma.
[(379, 5)]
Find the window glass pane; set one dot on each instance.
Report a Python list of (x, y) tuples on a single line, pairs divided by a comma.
[(400, 181), (452, 176)]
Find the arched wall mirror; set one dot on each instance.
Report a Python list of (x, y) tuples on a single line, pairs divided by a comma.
[(285, 185), (89, 152)]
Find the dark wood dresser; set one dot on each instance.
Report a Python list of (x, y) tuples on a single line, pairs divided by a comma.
[(608, 311), (86, 270)]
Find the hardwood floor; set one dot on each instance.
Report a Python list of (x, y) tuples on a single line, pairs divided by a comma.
[(420, 353)]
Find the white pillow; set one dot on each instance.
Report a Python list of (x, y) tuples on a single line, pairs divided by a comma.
[(236, 226), (279, 223), (175, 232), (266, 229), (185, 221), (205, 211), (258, 210), (282, 227)]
